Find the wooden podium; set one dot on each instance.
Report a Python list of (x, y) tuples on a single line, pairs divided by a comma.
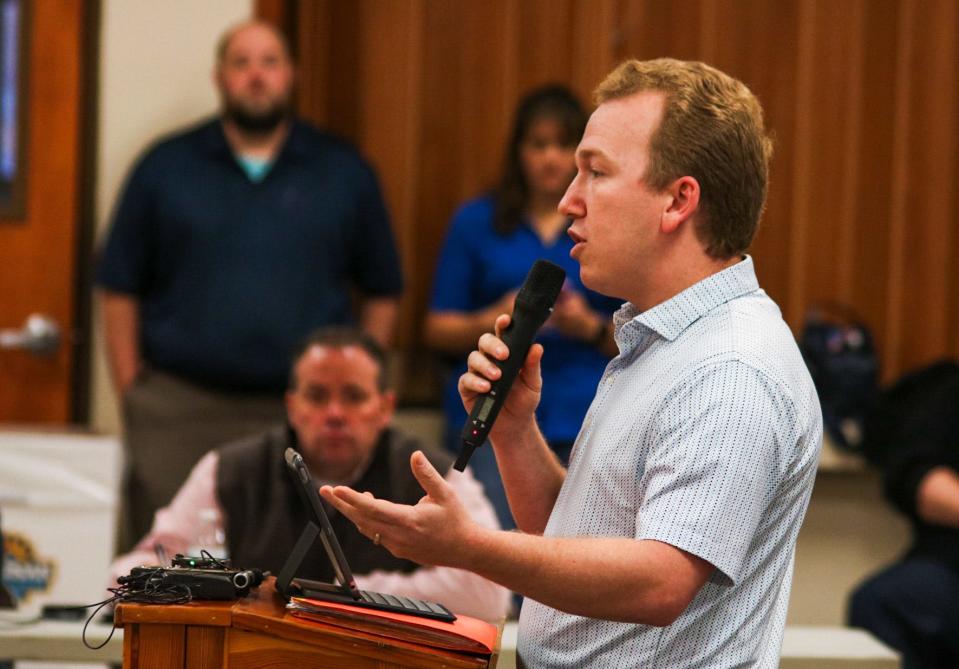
[(257, 631)]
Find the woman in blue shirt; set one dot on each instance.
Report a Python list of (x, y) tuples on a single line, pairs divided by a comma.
[(491, 244)]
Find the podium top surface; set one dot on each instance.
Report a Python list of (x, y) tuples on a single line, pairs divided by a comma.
[(264, 613)]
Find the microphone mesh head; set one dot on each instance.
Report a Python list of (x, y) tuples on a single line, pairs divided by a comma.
[(543, 283)]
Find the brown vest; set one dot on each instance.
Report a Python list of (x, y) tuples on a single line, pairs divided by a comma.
[(264, 514)]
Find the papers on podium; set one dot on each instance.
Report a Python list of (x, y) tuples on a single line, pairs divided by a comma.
[(465, 634)]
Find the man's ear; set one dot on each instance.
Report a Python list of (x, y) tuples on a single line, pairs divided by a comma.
[(684, 195), (389, 406)]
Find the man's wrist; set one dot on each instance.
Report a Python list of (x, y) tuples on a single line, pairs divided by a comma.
[(471, 547), (514, 436)]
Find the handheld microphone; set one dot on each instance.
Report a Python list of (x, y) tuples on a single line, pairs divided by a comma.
[(533, 305)]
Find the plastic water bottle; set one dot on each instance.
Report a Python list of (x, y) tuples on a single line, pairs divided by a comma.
[(210, 536)]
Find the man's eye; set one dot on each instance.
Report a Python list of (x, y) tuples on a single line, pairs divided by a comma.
[(315, 397), (595, 173), (354, 397)]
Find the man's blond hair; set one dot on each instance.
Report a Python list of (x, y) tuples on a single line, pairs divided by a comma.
[(712, 130)]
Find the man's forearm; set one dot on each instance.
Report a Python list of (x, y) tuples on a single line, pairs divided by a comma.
[(177, 525), (378, 318), (620, 579), (532, 476), (121, 326)]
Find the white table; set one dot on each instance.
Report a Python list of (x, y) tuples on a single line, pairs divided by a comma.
[(56, 641), (835, 648), (803, 648)]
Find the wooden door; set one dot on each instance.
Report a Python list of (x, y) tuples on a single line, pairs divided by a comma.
[(43, 48)]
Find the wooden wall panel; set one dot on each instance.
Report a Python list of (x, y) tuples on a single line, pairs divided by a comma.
[(929, 239), (816, 243), (653, 29), (387, 116), (760, 43), (860, 95), (872, 226), (541, 27)]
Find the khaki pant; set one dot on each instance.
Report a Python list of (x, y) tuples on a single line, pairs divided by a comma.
[(169, 424)]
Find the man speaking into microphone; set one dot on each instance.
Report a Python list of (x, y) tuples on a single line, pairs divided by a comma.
[(669, 542)]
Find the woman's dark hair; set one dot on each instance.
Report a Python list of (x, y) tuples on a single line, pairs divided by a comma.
[(554, 102)]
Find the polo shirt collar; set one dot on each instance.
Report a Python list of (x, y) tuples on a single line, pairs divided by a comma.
[(294, 145), (670, 318)]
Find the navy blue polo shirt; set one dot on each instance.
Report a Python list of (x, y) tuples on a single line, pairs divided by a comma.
[(232, 273), (477, 267)]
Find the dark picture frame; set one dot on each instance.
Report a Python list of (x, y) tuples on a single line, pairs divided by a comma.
[(14, 31)]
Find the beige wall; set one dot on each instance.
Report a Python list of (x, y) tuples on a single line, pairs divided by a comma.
[(155, 65)]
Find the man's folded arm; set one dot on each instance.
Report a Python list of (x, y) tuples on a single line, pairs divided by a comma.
[(176, 526)]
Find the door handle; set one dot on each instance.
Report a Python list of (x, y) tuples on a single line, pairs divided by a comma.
[(40, 335)]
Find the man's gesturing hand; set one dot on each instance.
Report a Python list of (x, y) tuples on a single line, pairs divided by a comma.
[(436, 531)]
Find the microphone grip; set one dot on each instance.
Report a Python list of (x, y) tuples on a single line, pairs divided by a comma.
[(518, 337), (464, 457)]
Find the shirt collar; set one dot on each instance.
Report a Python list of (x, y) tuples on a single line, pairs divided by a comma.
[(296, 143), (670, 318)]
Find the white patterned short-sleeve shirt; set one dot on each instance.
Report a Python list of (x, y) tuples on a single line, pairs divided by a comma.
[(704, 434)]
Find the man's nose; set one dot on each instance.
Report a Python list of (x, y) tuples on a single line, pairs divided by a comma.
[(335, 411), (572, 204)]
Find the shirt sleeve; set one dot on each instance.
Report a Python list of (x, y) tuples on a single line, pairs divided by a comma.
[(124, 263), (461, 591), (456, 270), (715, 465), (176, 527), (375, 260)]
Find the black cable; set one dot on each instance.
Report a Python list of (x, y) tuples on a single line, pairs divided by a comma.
[(144, 588), (209, 556)]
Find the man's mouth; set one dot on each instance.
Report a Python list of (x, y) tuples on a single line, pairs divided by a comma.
[(578, 242)]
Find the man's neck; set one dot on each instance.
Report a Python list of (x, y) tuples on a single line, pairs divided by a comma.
[(264, 146), (324, 475), (678, 275)]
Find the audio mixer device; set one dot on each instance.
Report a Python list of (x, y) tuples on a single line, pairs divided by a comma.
[(204, 577), (186, 579)]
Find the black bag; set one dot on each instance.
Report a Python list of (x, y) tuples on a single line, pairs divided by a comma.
[(839, 351)]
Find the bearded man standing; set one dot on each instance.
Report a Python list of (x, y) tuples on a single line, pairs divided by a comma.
[(230, 242)]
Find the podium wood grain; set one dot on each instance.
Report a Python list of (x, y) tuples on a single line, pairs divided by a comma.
[(258, 632)]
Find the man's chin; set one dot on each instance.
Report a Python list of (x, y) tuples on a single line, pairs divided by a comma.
[(257, 122), (595, 281)]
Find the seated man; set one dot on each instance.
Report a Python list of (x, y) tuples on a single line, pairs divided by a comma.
[(913, 435), (339, 411)]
